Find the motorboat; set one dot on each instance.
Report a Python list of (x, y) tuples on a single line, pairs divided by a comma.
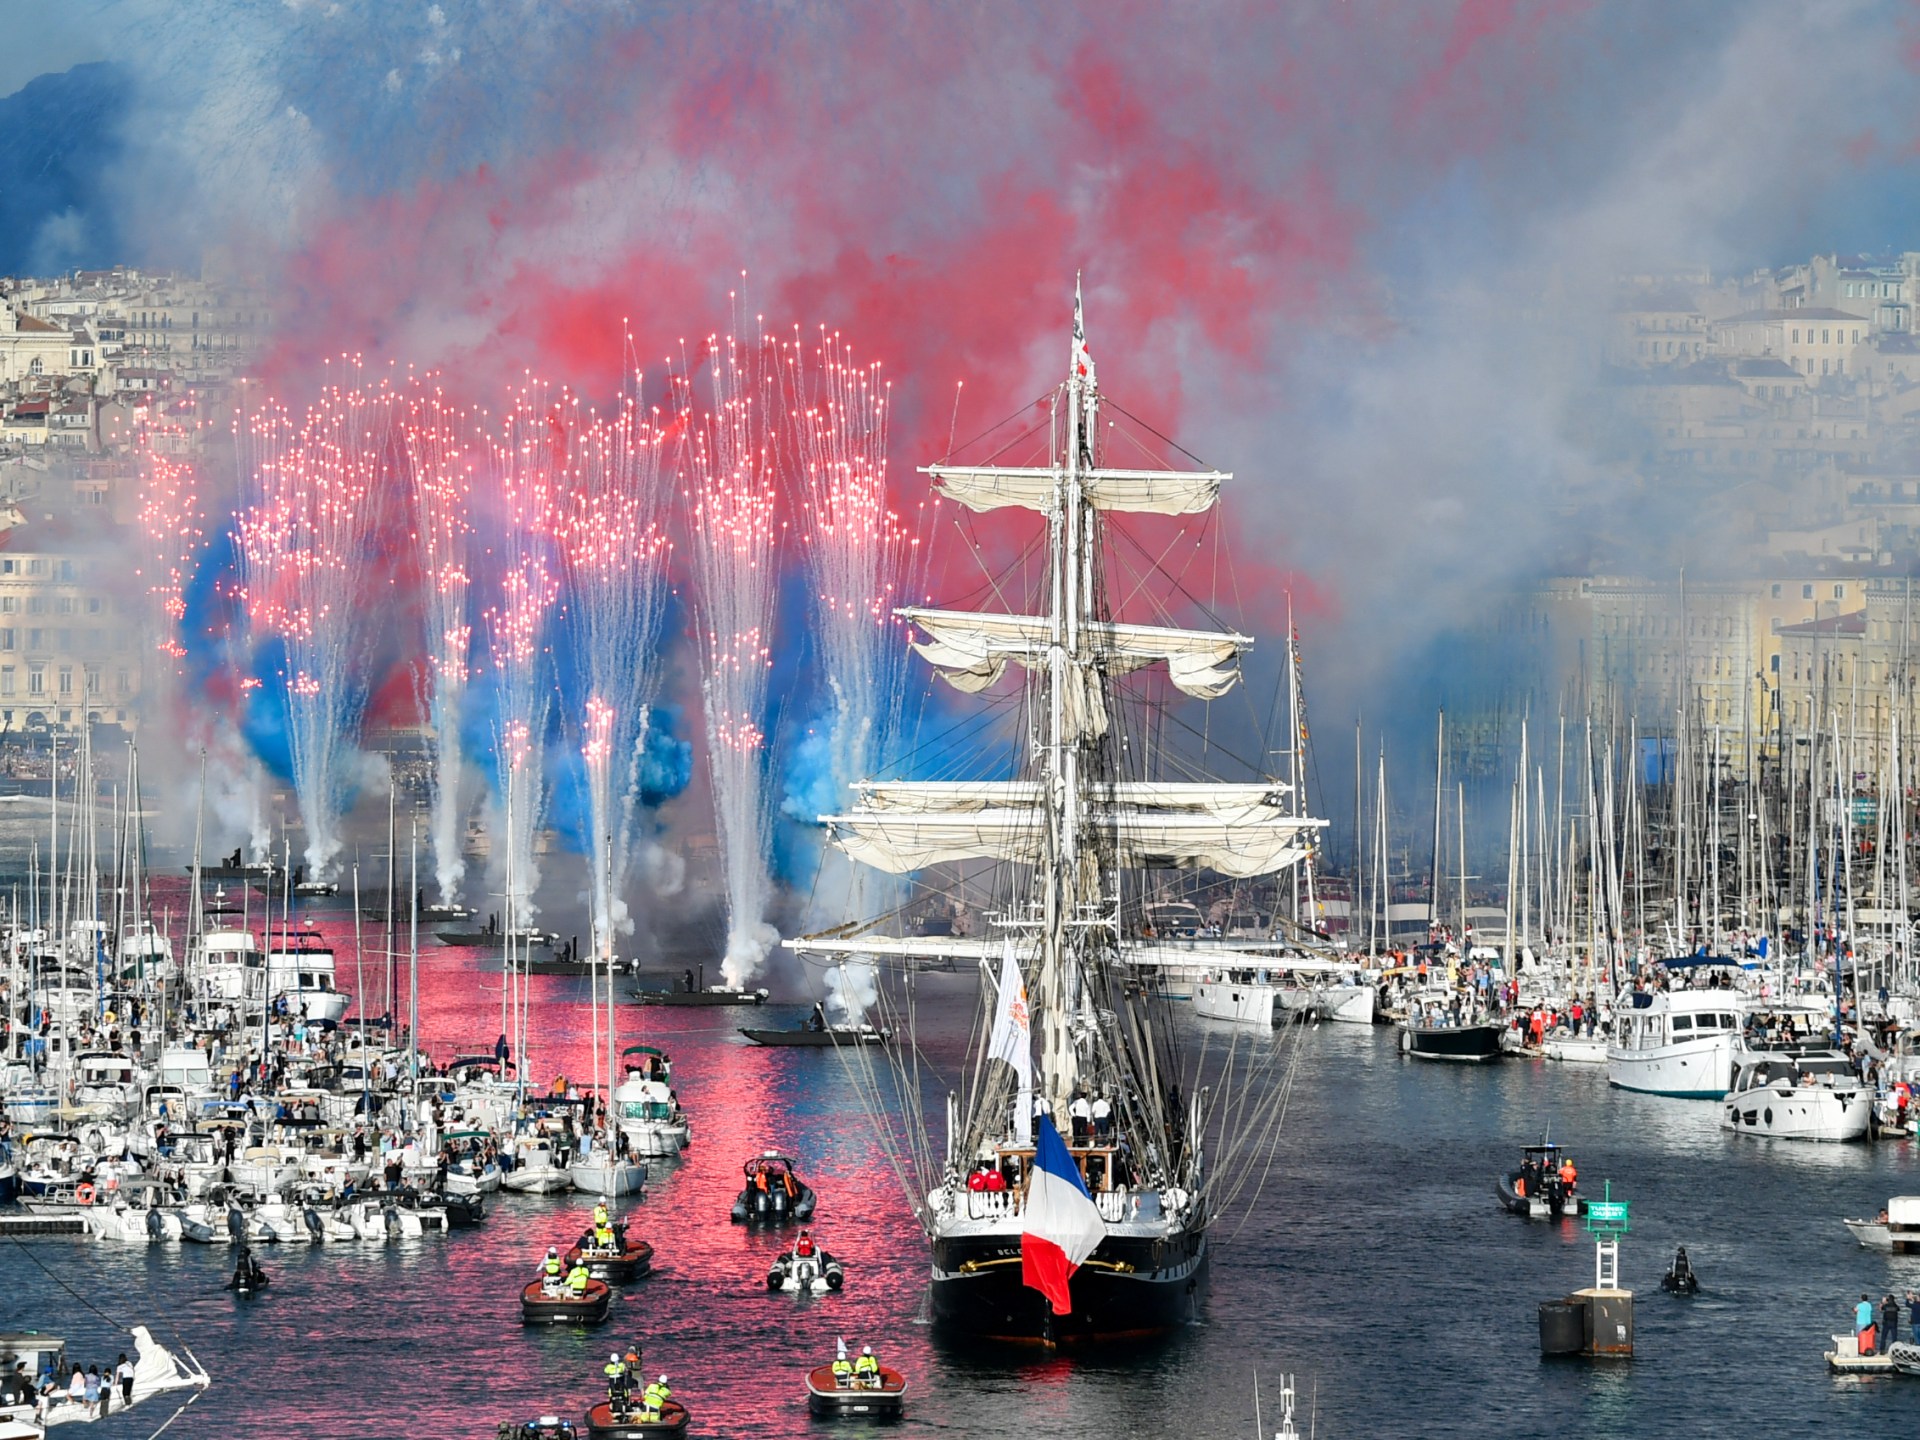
[(300, 976), (625, 1260), (813, 1272), (605, 1423), (1536, 1189), (541, 1304), (645, 1107), (1473, 1042), (1680, 1279), (156, 1371), (538, 1168), (541, 1427), (1679, 1043), (1575, 1049), (1905, 1356), (834, 1395), (773, 1193), (1896, 1228), (1797, 1095), (712, 995), (819, 1034)]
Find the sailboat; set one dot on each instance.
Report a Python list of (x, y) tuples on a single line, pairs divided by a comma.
[(1073, 834)]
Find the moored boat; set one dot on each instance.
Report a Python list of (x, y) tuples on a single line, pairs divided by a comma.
[(1679, 1044), (1473, 1043), (1797, 1095), (1896, 1228)]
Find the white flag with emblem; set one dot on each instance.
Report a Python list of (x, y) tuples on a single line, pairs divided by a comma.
[(1012, 1041)]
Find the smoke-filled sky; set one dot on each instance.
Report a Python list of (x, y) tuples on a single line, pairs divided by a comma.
[(1312, 233)]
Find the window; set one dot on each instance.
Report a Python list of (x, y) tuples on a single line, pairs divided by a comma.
[(1773, 663), (124, 684), (1839, 592), (93, 679), (1796, 337), (35, 367), (6, 680), (93, 604), (66, 680), (1826, 337), (37, 680), (1681, 1022), (63, 604), (1806, 592), (65, 638), (1776, 590)]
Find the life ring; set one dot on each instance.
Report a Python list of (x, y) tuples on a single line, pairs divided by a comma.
[(84, 1194)]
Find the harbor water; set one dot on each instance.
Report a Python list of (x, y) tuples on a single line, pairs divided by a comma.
[(1375, 1265)]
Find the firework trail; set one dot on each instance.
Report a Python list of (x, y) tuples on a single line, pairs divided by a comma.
[(173, 525), (442, 457), (528, 464), (306, 549), (733, 475), (858, 556), (614, 551)]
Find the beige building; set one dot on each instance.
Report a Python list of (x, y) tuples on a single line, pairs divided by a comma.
[(68, 649)]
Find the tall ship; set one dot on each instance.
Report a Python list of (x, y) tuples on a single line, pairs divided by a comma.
[(1076, 845)]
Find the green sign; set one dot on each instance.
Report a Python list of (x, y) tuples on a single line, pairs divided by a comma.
[(1866, 810), (1607, 1215)]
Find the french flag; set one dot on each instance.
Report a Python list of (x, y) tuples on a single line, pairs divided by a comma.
[(1062, 1223)]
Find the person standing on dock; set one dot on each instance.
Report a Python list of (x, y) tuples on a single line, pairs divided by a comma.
[(1863, 1326), (1889, 1330)]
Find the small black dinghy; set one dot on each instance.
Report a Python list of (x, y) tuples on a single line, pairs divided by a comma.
[(1680, 1278), (541, 1427), (773, 1193)]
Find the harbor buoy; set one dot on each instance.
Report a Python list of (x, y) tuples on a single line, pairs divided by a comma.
[(84, 1194)]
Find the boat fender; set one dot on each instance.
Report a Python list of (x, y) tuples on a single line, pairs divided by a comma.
[(836, 1277), (776, 1277), (314, 1227), (392, 1216), (84, 1195), (236, 1224), (156, 1227)]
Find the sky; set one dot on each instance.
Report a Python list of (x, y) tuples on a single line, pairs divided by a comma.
[(1309, 231)]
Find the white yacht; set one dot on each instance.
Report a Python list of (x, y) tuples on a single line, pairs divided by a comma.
[(228, 965), (300, 971), (1681, 1043), (1797, 1095), (1247, 997), (650, 1118)]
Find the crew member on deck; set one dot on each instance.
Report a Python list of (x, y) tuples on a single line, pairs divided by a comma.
[(1569, 1176), (654, 1402), (804, 1245), (866, 1370), (618, 1388), (551, 1269), (577, 1279)]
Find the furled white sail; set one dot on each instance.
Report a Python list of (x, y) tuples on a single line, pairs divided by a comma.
[(970, 649), (1252, 841), (949, 797), (1152, 492)]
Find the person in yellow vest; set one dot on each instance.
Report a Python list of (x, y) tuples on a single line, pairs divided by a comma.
[(550, 1270), (601, 1218), (603, 1237), (577, 1279), (866, 1370), (842, 1369), (618, 1389), (654, 1401)]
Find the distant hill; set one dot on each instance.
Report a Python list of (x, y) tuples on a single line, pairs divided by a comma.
[(58, 135)]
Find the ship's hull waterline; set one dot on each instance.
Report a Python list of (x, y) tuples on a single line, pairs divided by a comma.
[(1121, 1293)]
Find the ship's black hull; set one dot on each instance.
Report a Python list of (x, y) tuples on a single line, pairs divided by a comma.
[(1159, 1292), (1474, 1044)]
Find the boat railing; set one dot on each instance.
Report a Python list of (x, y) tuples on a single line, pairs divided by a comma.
[(992, 1204)]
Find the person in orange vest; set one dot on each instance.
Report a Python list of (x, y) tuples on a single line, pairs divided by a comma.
[(1568, 1175)]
